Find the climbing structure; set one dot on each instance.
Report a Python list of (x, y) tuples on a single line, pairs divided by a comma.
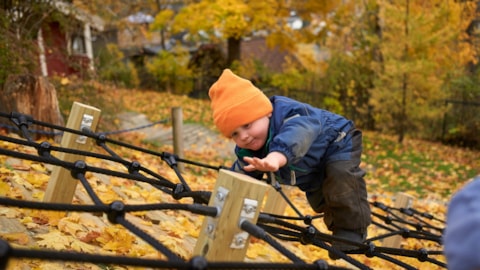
[(284, 234)]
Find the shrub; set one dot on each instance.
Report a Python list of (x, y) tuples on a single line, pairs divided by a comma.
[(114, 68)]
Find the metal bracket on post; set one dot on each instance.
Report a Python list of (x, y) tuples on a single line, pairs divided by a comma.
[(248, 213), (87, 121), (218, 202)]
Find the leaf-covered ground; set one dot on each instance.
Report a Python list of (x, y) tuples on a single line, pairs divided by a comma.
[(430, 172)]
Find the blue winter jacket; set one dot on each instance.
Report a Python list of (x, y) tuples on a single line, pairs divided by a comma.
[(309, 137)]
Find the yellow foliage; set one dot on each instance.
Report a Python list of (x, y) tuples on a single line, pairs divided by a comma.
[(117, 239)]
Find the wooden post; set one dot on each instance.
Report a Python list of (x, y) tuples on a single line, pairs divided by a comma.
[(238, 196), (275, 203), (177, 130), (402, 200), (61, 186)]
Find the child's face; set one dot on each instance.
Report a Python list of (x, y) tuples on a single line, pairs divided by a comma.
[(252, 135)]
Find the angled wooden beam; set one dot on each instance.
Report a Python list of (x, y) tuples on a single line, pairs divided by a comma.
[(237, 196), (61, 186)]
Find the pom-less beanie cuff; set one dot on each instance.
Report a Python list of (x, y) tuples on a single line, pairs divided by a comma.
[(235, 102)]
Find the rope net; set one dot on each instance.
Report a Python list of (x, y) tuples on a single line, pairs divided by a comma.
[(128, 214)]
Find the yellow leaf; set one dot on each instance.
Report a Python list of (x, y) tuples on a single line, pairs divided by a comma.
[(70, 227), (116, 239), (38, 167), (37, 180), (20, 238), (4, 188), (82, 247), (54, 240), (22, 182)]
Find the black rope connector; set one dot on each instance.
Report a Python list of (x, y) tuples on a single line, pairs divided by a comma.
[(44, 149), (406, 211), (422, 255), (134, 167), (388, 220), (170, 158), (117, 209), (308, 220), (370, 252), (321, 264), (101, 138), (308, 235), (177, 191), (198, 263), (427, 215), (405, 233), (276, 185), (380, 205), (4, 253), (80, 167), (21, 119)]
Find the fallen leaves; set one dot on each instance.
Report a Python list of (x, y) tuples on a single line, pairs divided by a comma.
[(117, 239), (20, 238), (428, 171)]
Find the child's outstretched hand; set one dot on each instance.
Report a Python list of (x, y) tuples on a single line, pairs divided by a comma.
[(271, 163)]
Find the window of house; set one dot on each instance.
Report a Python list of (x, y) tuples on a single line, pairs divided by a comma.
[(78, 45)]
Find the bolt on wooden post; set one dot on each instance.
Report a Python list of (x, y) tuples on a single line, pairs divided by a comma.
[(237, 196), (61, 186)]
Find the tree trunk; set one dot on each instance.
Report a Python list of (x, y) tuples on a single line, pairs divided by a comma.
[(34, 96), (233, 50)]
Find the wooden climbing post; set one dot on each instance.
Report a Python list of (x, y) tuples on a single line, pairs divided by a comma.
[(61, 186), (275, 203), (177, 130), (402, 200), (238, 197)]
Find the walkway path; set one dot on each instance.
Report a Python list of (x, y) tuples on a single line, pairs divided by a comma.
[(195, 136)]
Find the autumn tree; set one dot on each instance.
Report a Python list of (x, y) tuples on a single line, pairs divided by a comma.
[(232, 20), (423, 44), (19, 25), (352, 43)]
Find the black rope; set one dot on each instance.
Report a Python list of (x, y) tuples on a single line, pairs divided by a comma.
[(268, 226)]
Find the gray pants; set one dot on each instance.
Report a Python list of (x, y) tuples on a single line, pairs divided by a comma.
[(343, 195)]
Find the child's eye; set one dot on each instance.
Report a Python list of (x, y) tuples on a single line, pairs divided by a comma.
[(247, 125), (234, 134)]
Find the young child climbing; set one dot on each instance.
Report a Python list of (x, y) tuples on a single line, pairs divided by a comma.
[(304, 146)]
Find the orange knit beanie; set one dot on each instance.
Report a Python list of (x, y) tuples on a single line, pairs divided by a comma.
[(236, 102)]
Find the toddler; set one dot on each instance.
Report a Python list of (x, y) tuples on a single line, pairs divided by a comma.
[(304, 146)]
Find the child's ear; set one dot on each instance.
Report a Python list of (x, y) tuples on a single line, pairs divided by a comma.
[(269, 115)]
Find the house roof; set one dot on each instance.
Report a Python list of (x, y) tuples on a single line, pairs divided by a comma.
[(81, 15), (257, 49)]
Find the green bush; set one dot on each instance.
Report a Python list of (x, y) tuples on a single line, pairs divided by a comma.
[(113, 68), (170, 68)]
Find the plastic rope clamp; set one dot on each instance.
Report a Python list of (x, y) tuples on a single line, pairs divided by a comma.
[(117, 209)]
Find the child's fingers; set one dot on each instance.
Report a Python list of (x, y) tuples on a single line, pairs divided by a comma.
[(257, 164), (254, 163)]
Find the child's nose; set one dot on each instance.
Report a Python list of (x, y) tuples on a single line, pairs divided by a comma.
[(243, 136)]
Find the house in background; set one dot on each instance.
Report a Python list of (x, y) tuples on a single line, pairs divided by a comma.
[(255, 48), (66, 49)]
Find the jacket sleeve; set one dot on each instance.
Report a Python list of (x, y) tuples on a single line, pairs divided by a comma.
[(296, 137)]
